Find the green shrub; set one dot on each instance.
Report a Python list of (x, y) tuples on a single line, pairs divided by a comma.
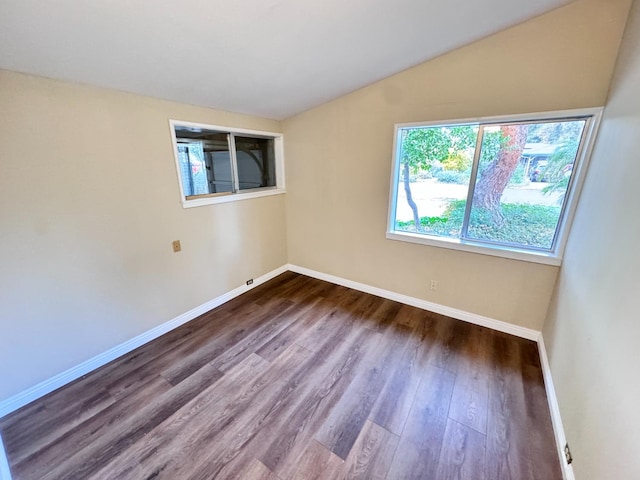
[(450, 176), (424, 221)]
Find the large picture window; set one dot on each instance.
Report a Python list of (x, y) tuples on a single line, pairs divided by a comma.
[(503, 186), (217, 164)]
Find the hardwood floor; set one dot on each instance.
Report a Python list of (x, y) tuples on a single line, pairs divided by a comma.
[(299, 379)]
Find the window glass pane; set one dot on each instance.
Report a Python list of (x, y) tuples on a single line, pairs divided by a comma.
[(256, 162), (205, 161), (194, 180), (433, 182), (523, 176)]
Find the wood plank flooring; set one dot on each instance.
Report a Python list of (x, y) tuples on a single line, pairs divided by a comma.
[(299, 379)]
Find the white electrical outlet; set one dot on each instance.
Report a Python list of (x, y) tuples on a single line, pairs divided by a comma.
[(434, 285)]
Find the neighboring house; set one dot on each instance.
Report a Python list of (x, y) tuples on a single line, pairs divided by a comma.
[(535, 159)]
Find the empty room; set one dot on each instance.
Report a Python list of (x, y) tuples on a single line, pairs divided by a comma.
[(319, 240)]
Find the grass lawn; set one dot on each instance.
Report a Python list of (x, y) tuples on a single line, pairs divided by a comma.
[(524, 224)]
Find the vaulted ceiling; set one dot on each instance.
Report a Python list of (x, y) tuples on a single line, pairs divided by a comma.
[(272, 58)]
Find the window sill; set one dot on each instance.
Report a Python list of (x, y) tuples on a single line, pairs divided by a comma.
[(466, 246), (235, 197)]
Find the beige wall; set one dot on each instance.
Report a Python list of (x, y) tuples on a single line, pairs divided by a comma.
[(593, 327), (89, 205), (339, 158), (89, 198)]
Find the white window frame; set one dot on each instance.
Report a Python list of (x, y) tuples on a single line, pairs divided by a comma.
[(201, 200), (552, 257)]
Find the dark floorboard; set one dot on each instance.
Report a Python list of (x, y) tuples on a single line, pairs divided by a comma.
[(299, 379)]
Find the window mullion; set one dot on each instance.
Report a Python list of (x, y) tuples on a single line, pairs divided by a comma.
[(472, 181), (231, 140), (192, 189)]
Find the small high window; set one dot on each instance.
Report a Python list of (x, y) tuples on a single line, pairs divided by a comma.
[(218, 164), (503, 186)]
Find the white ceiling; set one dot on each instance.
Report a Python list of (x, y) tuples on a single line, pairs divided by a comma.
[(272, 58)]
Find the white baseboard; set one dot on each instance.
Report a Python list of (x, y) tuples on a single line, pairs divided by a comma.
[(5, 472), (558, 429), (21, 399), (498, 325)]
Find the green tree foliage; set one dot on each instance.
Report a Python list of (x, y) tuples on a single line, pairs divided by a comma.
[(424, 147), (555, 132), (457, 162)]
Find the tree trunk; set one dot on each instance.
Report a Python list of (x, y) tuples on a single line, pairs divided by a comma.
[(495, 178), (407, 191)]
